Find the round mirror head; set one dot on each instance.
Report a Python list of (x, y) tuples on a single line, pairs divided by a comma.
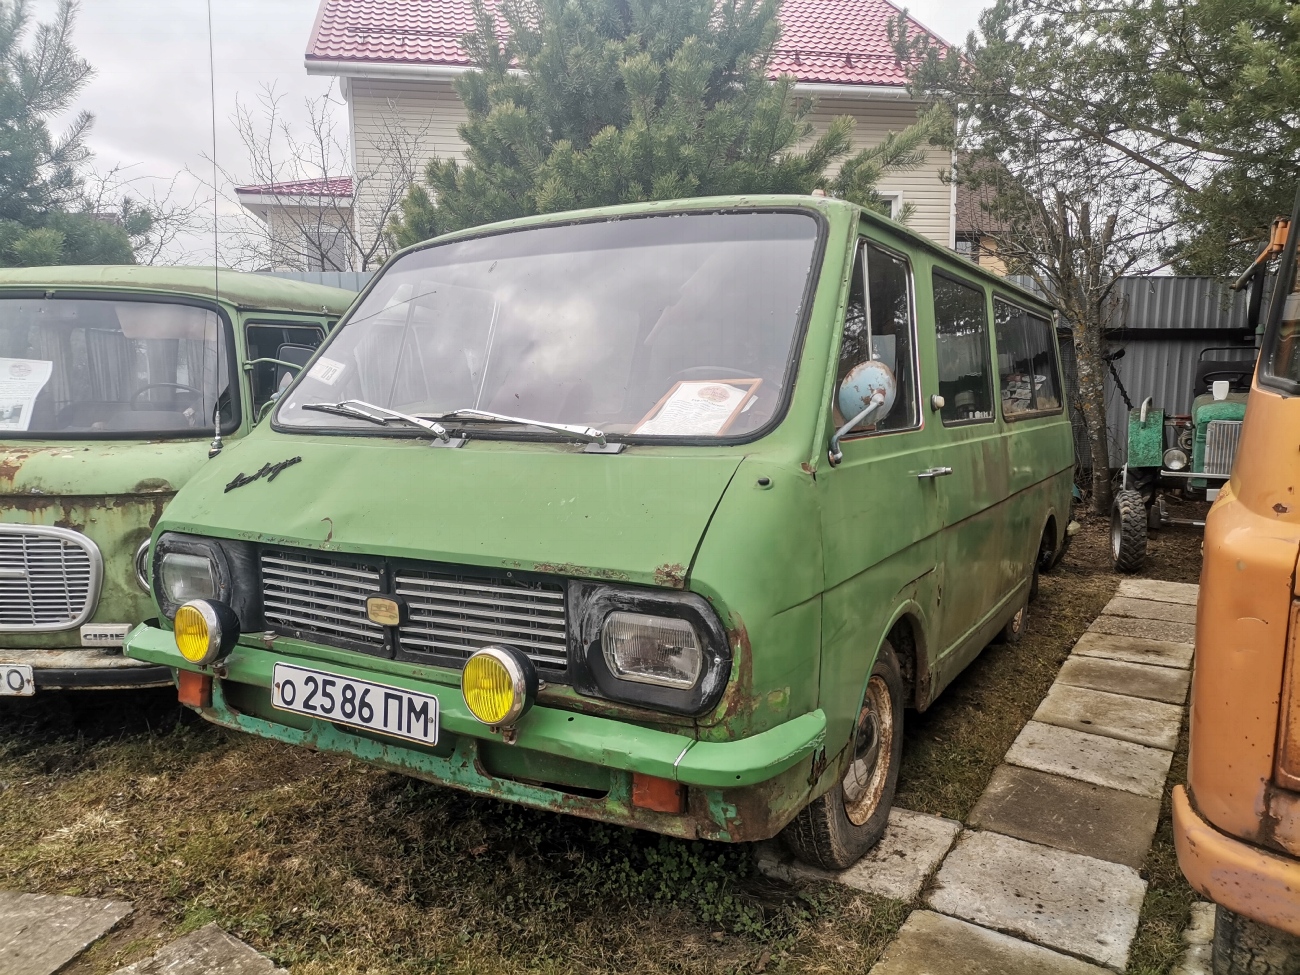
[(864, 381)]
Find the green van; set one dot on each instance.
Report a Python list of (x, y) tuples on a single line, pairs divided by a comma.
[(660, 515), (114, 382)]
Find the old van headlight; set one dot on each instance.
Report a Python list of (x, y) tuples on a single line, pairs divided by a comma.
[(662, 650), (190, 567)]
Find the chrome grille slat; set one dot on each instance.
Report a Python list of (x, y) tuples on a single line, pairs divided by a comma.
[(455, 615), (58, 573), (1221, 439), (319, 594)]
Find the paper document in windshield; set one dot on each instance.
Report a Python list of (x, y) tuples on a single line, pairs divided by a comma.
[(21, 381), (705, 408)]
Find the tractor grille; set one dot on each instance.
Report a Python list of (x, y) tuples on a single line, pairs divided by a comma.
[(454, 615), (1221, 439), (324, 596), (49, 578)]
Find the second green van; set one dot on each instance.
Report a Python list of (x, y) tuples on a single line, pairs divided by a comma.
[(662, 515)]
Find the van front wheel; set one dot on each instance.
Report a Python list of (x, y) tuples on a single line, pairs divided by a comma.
[(835, 829)]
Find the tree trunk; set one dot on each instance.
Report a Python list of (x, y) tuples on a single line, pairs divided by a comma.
[(1092, 401)]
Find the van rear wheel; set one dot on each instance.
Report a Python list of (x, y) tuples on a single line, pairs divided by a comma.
[(1128, 531), (1246, 947), (837, 828)]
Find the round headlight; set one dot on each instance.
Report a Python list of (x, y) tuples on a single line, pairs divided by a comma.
[(205, 630), (142, 565), (1175, 459), (499, 684)]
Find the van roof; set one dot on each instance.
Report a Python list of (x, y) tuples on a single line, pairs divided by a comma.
[(753, 202), (240, 288)]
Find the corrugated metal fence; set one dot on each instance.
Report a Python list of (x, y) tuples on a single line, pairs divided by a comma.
[(351, 280), (1162, 324)]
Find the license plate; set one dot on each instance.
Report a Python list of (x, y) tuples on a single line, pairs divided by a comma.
[(357, 703), (16, 680)]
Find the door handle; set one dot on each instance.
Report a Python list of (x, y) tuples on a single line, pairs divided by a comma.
[(934, 472)]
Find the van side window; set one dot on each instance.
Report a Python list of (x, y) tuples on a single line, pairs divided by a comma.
[(887, 335), (1026, 361), (961, 324), (265, 341)]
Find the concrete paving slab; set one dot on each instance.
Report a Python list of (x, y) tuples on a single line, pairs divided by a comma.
[(1139, 720), (932, 944), (1132, 719), (1067, 814), (207, 951), (1157, 653), (1060, 900), (1151, 609), (40, 933), (1200, 929), (1196, 960), (1168, 684), (1168, 592), (1144, 629), (1091, 758), (898, 867)]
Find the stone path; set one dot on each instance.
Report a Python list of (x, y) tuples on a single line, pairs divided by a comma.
[(1044, 876), (40, 934)]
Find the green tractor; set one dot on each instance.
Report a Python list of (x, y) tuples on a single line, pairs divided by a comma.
[(1193, 453)]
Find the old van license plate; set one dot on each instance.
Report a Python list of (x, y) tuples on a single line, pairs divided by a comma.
[(17, 680), (357, 703)]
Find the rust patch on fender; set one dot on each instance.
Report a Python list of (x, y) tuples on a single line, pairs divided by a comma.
[(671, 574), (738, 698), (11, 466), (569, 569), (153, 485)]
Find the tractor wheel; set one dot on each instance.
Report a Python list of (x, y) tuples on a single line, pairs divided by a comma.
[(1128, 531)]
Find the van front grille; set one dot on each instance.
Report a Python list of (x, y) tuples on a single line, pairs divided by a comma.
[(454, 615), (49, 578), (325, 596), (1221, 439)]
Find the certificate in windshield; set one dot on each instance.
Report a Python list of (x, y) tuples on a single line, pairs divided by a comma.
[(698, 408)]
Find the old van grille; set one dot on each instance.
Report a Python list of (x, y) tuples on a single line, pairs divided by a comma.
[(454, 615), (323, 596), (49, 578), (1221, 439)]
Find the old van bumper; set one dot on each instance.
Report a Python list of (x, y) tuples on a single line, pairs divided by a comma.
[(582, 764), (87, 669), (1246, 879)]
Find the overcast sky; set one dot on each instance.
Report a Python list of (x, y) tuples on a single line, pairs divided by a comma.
[(150, 93)]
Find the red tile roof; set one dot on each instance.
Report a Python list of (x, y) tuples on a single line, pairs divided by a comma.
[(822, 41), (334, 186)]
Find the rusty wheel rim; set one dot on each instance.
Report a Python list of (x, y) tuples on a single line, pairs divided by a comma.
[(873, 751)]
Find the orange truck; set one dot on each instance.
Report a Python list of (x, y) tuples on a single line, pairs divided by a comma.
[(1237, 821)]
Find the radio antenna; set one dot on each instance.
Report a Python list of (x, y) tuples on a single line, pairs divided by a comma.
[(216, 445)]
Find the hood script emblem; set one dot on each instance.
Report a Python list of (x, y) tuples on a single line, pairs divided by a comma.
[(268, 471)]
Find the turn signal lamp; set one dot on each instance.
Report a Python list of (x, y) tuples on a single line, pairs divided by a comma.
[(205, 630), (499, 684)]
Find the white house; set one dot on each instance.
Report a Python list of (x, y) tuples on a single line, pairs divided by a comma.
[(395, 61)]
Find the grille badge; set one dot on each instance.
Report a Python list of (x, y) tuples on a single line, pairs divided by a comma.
[(384, 610)]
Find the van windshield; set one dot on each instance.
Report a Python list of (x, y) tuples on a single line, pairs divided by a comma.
[(665, 326), (108, 368)]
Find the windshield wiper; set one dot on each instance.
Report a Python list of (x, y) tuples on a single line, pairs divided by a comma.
[(361, 410), (588, 434)]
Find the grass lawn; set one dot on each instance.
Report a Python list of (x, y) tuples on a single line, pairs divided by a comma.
[(330, 866)]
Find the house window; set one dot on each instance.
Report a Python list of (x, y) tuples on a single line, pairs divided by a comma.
[(895, 201), (326, 248)]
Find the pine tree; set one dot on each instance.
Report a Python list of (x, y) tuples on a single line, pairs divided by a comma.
[(599, 102)]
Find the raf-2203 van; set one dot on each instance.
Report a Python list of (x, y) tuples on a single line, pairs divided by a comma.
[(660, 515), (114, 382)]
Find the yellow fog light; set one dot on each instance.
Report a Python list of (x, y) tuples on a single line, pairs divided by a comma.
[(499, 685), (205, 630)]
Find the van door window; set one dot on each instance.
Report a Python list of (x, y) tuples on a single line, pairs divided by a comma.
[(264, 340), (961, 323), (1026, 361), (887, 334)]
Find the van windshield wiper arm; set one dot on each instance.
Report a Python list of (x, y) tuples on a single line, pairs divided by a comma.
[(589, 434), (361, 410)]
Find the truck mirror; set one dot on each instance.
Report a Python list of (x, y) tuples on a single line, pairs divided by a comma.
[(868, 388)]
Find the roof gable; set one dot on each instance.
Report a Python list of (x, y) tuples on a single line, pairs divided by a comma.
[(842, 42)]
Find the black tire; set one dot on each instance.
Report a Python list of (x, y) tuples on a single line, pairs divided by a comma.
[(835, 829), (1128, 531), (1246, 947)]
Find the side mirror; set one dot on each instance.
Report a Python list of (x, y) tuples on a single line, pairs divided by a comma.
[(869, 387), (291, 356)]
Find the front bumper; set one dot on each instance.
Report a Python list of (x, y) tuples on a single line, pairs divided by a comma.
[(738, 791), (1255, 883), (88, 669)]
